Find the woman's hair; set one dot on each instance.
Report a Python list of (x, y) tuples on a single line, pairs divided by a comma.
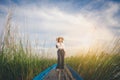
[(57, 39)]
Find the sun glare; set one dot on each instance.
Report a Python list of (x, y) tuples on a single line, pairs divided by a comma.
[(86, 42)]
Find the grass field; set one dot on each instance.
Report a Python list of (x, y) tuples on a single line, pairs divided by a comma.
[(17, 63), (20, 67), (91, 67)]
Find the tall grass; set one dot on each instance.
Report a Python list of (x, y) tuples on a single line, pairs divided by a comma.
[(94, 67), (98, 64), (16, 59), (21, 67), (18, 63)]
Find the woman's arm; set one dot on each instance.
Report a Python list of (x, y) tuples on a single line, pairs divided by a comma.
[(56, 46)]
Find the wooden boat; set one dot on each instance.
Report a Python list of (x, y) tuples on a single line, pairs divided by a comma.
[(51, 74)]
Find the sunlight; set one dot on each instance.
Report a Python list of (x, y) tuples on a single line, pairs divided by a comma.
[(86, 42)]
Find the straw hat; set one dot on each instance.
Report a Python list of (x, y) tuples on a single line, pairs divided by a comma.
[(59, 38)]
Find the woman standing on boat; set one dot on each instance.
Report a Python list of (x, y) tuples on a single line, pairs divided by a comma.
[(60, 52)]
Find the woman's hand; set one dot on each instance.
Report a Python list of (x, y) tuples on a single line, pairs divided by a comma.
[(56, 46)]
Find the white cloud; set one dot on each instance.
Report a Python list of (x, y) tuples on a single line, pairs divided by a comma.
[(79, 29)]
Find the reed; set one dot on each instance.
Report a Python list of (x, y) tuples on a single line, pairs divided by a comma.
[(18, 63)]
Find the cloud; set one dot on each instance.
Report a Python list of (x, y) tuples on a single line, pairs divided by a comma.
[(80, 28)]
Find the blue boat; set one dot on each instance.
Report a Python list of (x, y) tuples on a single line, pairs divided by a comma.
[(51, 72)]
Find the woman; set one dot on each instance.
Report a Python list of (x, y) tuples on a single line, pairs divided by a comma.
[(60, 52)]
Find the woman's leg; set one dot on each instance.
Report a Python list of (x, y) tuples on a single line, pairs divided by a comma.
[(58, 59), (62, 58)]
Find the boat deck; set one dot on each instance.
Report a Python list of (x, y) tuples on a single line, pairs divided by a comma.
[(64, 74), (52, 74)]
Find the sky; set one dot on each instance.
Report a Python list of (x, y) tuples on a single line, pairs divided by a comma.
[(81, 22)]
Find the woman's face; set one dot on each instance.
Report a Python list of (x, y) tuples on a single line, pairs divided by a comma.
[(60, 40)]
